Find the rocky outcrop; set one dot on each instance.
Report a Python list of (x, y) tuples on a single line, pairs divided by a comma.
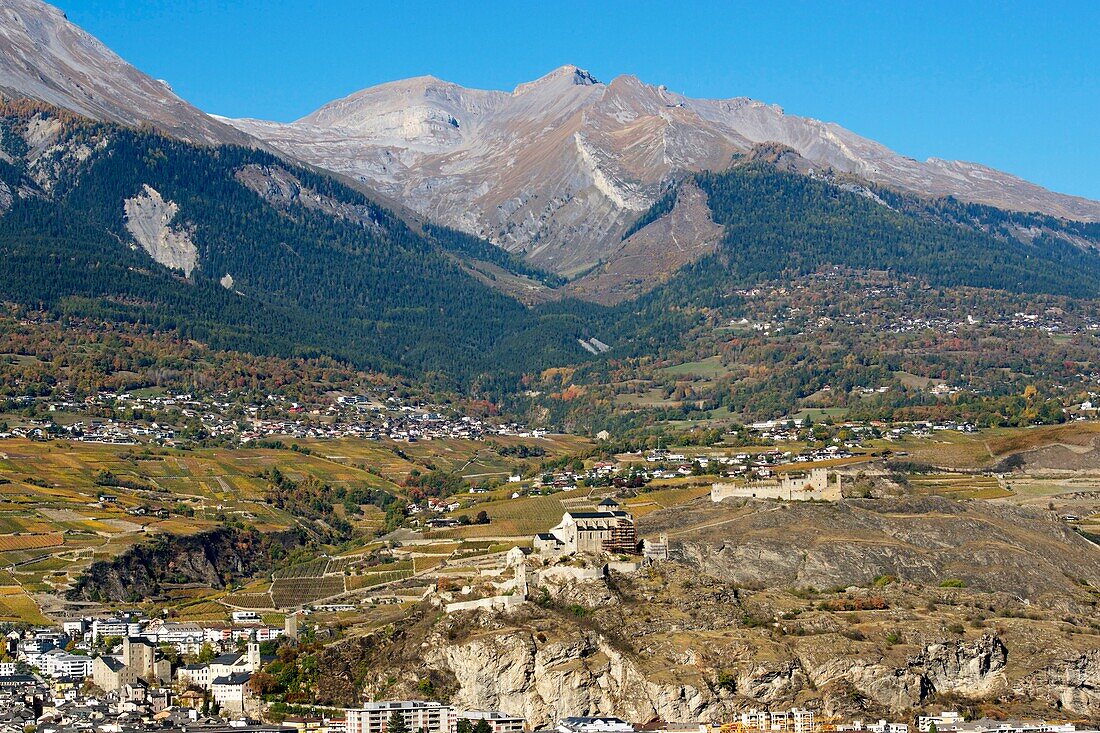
[(149, 220), (924, 540), (651, 255), (544, 680), (585, 674), (971, 669), (684, 664), (282, 189), (1072, 684), (686, 639), (215, 559)]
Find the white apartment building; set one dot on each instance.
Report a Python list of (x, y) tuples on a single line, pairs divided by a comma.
[(231, 691), (227, 665), (946, 719), (74, 628), (795, 720), (58, 663), (420, 716), (882, 726), (187, 638), (498, 722), (605, 724), (953, 723), (104, 627)]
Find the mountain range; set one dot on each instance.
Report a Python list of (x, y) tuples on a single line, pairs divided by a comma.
[(418, 226), (560, 167)]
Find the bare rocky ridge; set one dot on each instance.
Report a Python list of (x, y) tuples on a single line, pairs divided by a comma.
[(559, 167), (281, 188), (653, 253), (924, 540), (45, 57)]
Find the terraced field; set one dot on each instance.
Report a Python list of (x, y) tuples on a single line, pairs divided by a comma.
[(516, 517), (959, 486), (371, 580), (652, 501), (294, 592), (954, 450)]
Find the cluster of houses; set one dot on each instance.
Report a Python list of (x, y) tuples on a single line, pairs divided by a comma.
[(953, 722), (127, 652), (223, 415), (30, 703)]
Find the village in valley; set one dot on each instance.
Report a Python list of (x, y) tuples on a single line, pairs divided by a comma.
[(542, 517)]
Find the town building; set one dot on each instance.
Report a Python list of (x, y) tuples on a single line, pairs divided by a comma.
[(606, 724), (608, 529), (138, 661), (795, 720), (228, 665), (231, 692), (882, 726), (58, 663), (498, 722), (944, 720), (420, 716)]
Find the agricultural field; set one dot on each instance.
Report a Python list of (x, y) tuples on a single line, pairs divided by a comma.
[(955, 450), (708, 368), (472, 459), (652, 501), (959, 486), (66, 504), (520, 517)]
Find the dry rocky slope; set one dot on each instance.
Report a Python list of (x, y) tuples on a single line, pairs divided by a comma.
[(45, 57), (559, 167), (729, 622)]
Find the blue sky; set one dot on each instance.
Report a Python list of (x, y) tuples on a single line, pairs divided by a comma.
[(1014, 85)]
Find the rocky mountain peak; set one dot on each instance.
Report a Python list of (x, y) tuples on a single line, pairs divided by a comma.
[(563, 76), (45, 57)]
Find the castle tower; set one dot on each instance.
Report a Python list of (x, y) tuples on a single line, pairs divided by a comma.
[(290, 626)]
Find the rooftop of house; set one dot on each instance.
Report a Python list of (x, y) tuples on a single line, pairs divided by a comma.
[(113, 663), (599, 515), (237, 678)]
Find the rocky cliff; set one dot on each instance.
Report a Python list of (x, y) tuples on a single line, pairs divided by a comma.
[(215, 558), (668, 643)]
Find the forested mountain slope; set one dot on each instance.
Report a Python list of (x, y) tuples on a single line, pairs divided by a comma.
[(240, 249), (778, 224)]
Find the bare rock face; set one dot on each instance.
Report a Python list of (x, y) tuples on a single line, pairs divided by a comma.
[(542, 679), (651, 255), (559, 167), (1073, 684), (971, 669), (149, 219), (45, 57), (548, 680), (926, 540), (282, 189)]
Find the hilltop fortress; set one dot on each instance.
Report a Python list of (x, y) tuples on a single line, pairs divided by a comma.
[(804, 487)]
